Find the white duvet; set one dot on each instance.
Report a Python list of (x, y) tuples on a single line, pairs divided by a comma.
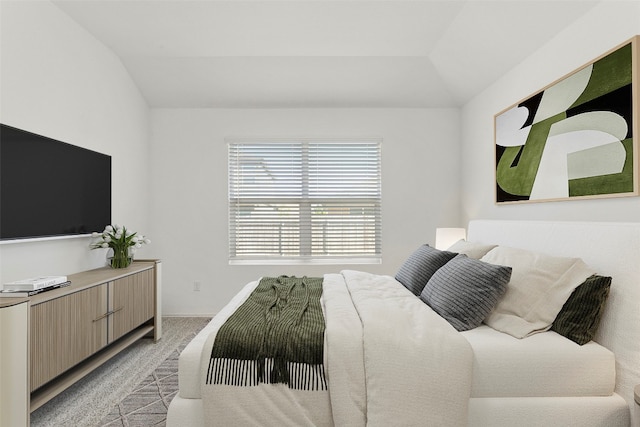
[(389, 359)]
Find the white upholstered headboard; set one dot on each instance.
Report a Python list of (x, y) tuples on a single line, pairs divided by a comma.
[(613, 249)]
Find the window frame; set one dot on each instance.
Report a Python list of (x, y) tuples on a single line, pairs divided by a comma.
[(305, 255)]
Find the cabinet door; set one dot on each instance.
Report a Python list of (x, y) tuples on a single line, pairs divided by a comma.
[(133, 302), (65, 331)]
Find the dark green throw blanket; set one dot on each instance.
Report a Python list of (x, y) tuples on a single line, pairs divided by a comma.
[(275, 336)]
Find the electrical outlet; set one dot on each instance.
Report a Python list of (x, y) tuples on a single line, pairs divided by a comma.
[(196, 286)]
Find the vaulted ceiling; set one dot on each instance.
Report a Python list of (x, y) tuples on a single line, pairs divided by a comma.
[(328, 53)]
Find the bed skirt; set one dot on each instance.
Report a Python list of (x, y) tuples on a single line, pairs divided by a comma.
[(611, 411)]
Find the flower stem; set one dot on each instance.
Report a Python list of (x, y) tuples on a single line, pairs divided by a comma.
[(121, 258)]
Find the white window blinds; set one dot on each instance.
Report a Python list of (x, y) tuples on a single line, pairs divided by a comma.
[(305, 200)]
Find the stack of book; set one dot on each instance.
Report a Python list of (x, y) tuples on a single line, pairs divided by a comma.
[(33, 286)]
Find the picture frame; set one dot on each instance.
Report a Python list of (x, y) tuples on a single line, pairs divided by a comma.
[(577, 138)]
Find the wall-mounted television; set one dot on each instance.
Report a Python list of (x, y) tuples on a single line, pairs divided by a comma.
[(50, 188)]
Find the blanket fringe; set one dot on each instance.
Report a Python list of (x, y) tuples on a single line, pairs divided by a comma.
[(243, 373)]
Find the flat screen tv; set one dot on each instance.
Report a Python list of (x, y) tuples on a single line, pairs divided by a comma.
[(49, 188)]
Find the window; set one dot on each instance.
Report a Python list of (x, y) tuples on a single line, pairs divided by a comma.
[(305, 201)]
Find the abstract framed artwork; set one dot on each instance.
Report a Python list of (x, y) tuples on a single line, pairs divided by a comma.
[(576, 138)]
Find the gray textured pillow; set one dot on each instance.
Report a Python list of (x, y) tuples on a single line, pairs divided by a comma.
[(420, 266), (465, 290)]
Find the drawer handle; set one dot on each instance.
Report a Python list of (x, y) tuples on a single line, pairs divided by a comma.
[(108, 313)]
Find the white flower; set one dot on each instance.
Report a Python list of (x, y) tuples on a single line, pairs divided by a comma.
[(118, 238)]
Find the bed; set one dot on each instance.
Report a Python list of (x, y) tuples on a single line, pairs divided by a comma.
[(391, 359)]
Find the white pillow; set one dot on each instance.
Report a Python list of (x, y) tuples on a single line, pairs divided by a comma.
[(540, 285), (470, 249)]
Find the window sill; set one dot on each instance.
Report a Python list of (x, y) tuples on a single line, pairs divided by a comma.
[(305, 261)]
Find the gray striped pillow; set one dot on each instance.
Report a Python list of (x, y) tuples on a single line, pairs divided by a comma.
[(465, 290), (420, 266)]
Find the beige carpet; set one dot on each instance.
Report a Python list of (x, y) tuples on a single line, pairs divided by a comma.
[(132, 389)]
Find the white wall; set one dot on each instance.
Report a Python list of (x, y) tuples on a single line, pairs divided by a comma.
[(59, 81), (606, 26), (420, 178)]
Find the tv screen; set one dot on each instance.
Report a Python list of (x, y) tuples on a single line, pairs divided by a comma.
[(50, 188)]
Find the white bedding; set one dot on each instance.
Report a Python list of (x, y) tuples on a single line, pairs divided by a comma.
[(544, 364), (503, 366), (417, 366), (405, 358), (522, 370)]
